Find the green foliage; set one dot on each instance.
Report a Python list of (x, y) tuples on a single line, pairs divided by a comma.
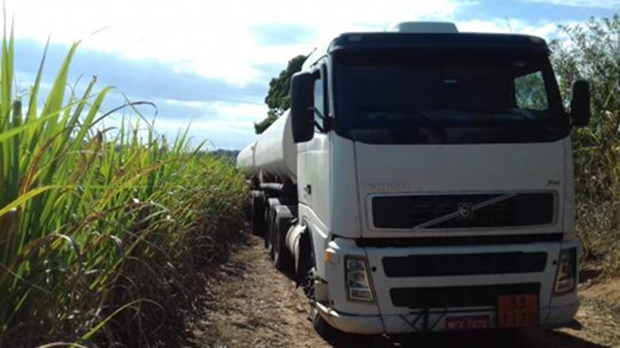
[(99, 228), (530, 92), (591, 53), (261, 126), (278, 99)]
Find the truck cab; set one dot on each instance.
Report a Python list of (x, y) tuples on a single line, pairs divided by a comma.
[(433, 185)]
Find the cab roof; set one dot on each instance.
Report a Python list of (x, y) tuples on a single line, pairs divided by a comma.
[(395, 40)]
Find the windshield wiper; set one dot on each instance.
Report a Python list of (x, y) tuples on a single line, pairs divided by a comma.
[(402, 123), (424, 120), (491, 112)]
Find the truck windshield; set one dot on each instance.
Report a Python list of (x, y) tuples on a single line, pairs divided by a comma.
[(446, 96)]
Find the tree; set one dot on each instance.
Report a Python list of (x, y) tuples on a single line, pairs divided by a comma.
[(278, 99), (264, 124)]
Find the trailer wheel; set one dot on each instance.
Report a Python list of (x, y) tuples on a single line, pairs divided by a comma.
[(265, 219), (272, 227), (270, 216), (257, 207), (266, 225), (282, 257)]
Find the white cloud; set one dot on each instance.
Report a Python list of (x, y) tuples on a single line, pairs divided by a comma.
[(211, 38), (192, 104), (251, 112), (220, 40), (226, 125), (223, 124), (239, 112), (606, 4), (224, 134)]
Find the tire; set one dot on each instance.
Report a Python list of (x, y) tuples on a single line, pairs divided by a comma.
[(271, 229), (270, 212), (257, 213), (321, 326), (282, 258), (306, 273), (247, 209), (266, 234)]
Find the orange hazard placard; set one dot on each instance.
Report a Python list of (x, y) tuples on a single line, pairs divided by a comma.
[(517, 311)]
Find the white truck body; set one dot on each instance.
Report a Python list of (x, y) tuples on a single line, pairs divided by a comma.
[(431, 222)]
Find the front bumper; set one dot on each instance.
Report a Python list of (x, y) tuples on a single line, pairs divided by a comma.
[(386, 316), (428, 321)]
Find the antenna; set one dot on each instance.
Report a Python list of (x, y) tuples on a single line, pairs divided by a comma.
[(509, 26)]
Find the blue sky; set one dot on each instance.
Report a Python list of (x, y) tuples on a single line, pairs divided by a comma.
[(210, 62)]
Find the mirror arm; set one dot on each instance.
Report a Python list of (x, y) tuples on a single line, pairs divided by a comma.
[(326, 121)]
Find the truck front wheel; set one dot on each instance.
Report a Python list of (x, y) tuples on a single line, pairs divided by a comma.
[(307, 277), (321, 326)]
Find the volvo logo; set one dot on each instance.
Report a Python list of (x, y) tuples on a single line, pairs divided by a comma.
[(387, 186), (465, 210)]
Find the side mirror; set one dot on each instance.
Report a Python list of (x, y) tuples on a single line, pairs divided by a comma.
[(302, 106), (580, 103)]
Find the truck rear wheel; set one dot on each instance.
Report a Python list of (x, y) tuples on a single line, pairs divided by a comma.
[(282, 257)]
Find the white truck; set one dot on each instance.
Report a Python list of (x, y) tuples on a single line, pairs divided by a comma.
[(423, 181)]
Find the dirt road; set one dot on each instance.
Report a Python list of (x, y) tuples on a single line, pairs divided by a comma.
[(253, 305)]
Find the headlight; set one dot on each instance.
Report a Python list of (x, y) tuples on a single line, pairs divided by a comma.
[(358, 281), (566, 277)]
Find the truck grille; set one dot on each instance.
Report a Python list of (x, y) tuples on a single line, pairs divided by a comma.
[(462, 211), (458, 296), (464, 264)]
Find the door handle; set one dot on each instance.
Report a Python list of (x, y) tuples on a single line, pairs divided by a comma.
[(308, 189)]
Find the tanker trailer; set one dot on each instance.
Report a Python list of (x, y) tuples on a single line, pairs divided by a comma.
[(271, 163)]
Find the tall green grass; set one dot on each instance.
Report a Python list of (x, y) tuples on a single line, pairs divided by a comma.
[(591, 52), (100, 229)]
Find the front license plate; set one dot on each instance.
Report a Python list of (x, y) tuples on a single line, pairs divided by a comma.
[(467, 323), (517, 311)]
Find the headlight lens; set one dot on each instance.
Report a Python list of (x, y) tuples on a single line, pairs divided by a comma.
[(358, 281), (566, 277)]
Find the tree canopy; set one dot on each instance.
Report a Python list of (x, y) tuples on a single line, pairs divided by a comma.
[(278, 98)]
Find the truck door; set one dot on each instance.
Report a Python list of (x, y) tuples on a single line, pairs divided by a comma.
[(313, 161)]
